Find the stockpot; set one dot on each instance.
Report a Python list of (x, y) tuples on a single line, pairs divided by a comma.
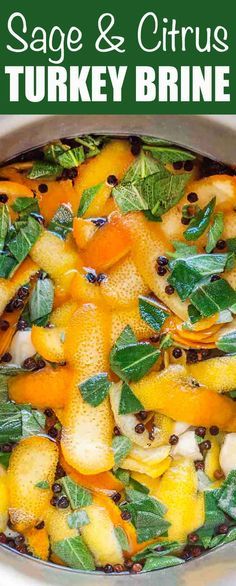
[(213, 136)]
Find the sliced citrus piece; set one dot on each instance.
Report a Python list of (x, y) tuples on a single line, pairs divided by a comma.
[(105, 482), (31, 473), (99, 535), (223, 187), (49, 343), (4, 500), (108, 245), (53, 255), (123, 285), (219, 374), (83, 231), (56, 522), (9, 287), (149, 242), (174, 394), (42, 389), (114, 159), (124, 317), (83, 291), (152, 470), (61, 315), (178, 492), (13, 190), (37, 542)]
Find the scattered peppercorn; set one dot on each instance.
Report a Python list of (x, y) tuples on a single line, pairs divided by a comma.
[(6, 448), (91, 278), (48, 412), (18, 303), (200, 431), (135, 145), (178, 165), (116, 430), (215, 278), (60, 472), (7, 357), (118, 568), (108, 569), (69, 174), (101, 277), (99, 222), (139, 428), (30, 363), (188, 165), (116, 497), (185, 221), (199, 465), (112, 180), (3, 538), (9, 307), (128, 564), (3, 198), (187, 555), (142, 415), (214, 430), (192, 197), (222, 529), (56, 488), (173, 440), (43, 188), (23, 292), (221, 244), (192, 356), (23, 549), (11, 543), (63, 502), (41, 364), (196, 551), (4, 325), (136, 568), (169, 290), (125, 515), (40, 525), (162, 261), (19, 539), (193, 538), (161, 271), (53, 501), (205, 446), (154, 339), (177, 352)]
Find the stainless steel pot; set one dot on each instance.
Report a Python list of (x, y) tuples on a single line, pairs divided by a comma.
[(212, 136)]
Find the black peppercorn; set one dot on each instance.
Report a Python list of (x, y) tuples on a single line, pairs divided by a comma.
[(18, 303), (116, 497), (62, 502), (178, 165), (177, 353), (192, 197), (30, 363), (56, 488), (188, 165), (173, 440), (136, 568), (205, 446), (53, 432), (125, 515), (101, 277), (139, 428), (40, 525), (193, 538), (161, 271), (185, 221), (53, 501), (112, 180), (221, 244), (23, 292), (222, 529), (169, 290), (200, 431), (91, 278), (3, 198), (43, 188), (162, 261), (142, 415), (116, 431), (48, 412), (4, 325), (214, 430), (7, 357), (118, 568), (108, 569), (215, 278)]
